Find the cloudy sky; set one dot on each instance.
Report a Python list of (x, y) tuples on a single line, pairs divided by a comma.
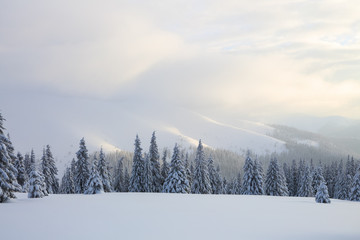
[(248, 59)]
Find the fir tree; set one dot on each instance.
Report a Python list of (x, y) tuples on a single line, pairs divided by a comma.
[(49, 171), (306, 189), (8, 182), (317, 179), (275, 183), (138, 168), (212, 175), (294, 178), (164, 167), (176, 181), (201, 182), (103, 172), (355, 187), (94, 183), (258, 184), (252, 179), (322, 195), (187, 169), (339, 182), (82, 173), (126, 180), (37, 186), (147, 177), (236, 185), (67, 182), (21, 176), (119, 177), (156, 177)]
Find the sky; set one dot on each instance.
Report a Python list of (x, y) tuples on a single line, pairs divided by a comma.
[(260, 60)]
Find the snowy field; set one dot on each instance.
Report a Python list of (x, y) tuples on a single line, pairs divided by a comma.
[(175, 216)]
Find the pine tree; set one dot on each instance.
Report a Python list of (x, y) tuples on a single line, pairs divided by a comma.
[(82, 173), (355, 187), (8, 182), (21, 176), (156, 177), (339, 181), (317, 178), (322, 195), (49, 170), (126, 180), (138, 168), (306, 189), (37, 186), (236, 185), (212, 175), (67, 182), (119, 177), (275, 183), (94, 184), (103, 172), (176, 181), (258, 184), (147, 176), (201, 182), (187, 169), (252, 179), (164, 167), (294, 178)]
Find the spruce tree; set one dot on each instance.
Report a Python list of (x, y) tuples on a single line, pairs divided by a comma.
[(27, 163), (8, 182), (201, 182), (21, 176), (275, 183), (219, 182), (322, 195), (176, 181), (103, 172), (138, 168), (126, 180), (355, 187), (49, 171), (252, 179), (294, 179), (164, 167), (94, 184), (37, 185), (236, 185), (67, 183), (119, 177), (339, 182), (187, 169), (306, 189), (212, 175), (258, 183), (317, 179), (82, 173), (154, 156), (147, 176)]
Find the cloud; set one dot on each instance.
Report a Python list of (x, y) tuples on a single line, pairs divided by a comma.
[(255, 58)]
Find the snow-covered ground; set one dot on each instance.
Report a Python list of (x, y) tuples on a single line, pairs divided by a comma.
[(175, 216)]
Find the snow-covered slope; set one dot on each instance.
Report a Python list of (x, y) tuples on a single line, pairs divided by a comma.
[(140, 216)]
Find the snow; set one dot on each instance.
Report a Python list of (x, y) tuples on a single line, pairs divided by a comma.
[(177, 216)]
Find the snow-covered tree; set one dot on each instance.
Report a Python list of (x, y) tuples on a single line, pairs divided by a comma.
[(252, 179), (137, 183), (275, 183), (322, 195), (201, 181), (164, 167), (126, 180), (82, 173), (237, 185), (176, 181), (187, 169), (305, 186), (94, 184), (20, 167), (154, 156), (67, 182), (294, 179), (317, 179), (258, 183), (49, 171), (37, 185), (119, 177), (27, 163), (103, 172), (214, 177), (147, 176), (355, 187), (339, 182), (8, 182)]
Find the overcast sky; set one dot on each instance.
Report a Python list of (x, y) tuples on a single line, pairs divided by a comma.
[(255, 59)]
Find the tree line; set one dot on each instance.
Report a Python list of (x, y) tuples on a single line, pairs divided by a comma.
[(152, 173)]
